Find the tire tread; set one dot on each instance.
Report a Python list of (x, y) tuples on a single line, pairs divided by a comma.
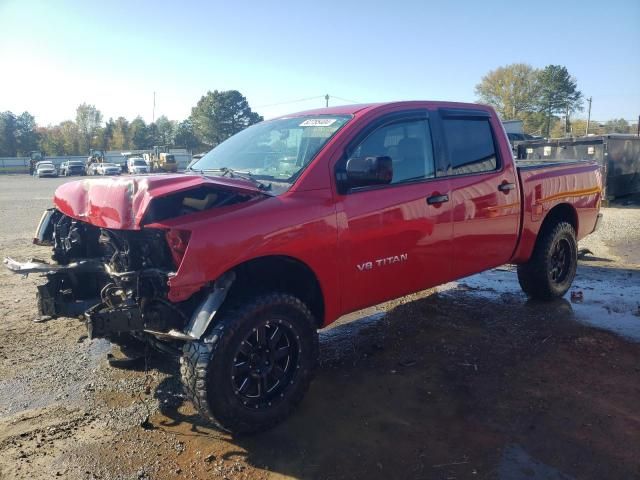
[(532, 276), (197, 356)]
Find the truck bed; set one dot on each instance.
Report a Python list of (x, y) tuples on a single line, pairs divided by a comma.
[(529, 164), (547, 184)]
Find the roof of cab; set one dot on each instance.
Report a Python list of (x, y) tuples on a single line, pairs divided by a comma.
[(356, 108), (338, 110)]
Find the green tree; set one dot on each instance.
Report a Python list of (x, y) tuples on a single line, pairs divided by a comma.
[(185, 136), (153, 137), (617, 125), (558, 127), (98, 139), (534, 122), (71, 138), (27, 138), (62, 139), (218, 115), (165, 130), (513, 90), (579, 127), (120, 139), (52, 140), (139, 134), (559, 93), (107, 134), (8, 126), (88, 119)]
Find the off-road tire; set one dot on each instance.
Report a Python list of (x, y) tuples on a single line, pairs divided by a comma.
[(205, 366), (536, 276)]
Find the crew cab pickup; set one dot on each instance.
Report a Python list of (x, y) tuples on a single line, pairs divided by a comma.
[(293, 222)]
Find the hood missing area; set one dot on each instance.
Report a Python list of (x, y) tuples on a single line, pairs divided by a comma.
[(194, 200)]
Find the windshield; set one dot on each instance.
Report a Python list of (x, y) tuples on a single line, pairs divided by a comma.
[(275, 150), (138, 163), (76, 164)]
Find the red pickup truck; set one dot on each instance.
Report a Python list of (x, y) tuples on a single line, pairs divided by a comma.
[(235, 264)]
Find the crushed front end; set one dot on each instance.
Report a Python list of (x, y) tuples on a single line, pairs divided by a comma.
[(117, 279), (113, 259)]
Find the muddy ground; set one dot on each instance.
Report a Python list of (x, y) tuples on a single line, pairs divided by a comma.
[(469, 380)]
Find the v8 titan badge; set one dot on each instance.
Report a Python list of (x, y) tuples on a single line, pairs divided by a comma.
[(382, 262)]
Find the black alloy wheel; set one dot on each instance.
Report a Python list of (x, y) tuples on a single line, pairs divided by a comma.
[(560, 261), (254, 365), (265, 363), (552, 267)]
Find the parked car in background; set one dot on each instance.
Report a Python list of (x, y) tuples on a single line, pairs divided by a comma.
[(46, 169), (108, 169), (137, 165), (72, 167)]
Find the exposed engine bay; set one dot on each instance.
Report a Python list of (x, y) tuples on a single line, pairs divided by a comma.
[(117, 278)]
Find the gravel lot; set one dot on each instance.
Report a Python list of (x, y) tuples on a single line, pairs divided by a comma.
[(469, 380)]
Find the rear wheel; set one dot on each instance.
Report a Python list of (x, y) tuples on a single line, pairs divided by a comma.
[(255, 365), (551, 269)]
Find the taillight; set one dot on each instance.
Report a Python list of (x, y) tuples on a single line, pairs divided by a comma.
[(177, 241)]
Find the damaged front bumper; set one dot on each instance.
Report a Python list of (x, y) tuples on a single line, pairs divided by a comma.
[(86, 288), (40, 266), (118, 280), (53, 300), (119, 309)]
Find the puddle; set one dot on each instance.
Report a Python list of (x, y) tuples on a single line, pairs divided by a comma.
[(612, 303), (606, 298), (517, 464)]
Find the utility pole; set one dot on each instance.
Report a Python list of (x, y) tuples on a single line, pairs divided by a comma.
[(639, 125), (153, 116), (586, 133), (326, 97)]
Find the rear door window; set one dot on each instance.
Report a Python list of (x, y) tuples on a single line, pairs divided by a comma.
[(470, 145)]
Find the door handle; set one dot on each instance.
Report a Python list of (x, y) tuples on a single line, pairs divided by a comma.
[(506, 187), (437, 199)]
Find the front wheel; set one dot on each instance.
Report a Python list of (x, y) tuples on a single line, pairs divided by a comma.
[(551, 269), (255, 365)]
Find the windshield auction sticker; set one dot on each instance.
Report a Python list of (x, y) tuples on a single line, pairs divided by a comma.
[(318, 122)]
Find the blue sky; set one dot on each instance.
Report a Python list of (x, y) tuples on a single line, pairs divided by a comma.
[(115, 54)]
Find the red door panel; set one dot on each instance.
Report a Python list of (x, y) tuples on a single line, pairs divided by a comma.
[(484, 194), (392, 243), (485, 221)]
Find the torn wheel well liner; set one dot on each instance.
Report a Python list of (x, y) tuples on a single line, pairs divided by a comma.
[(561, 212), (282, 274)]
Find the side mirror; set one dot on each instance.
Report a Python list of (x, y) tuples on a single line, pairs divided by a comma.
[(367, 171)]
